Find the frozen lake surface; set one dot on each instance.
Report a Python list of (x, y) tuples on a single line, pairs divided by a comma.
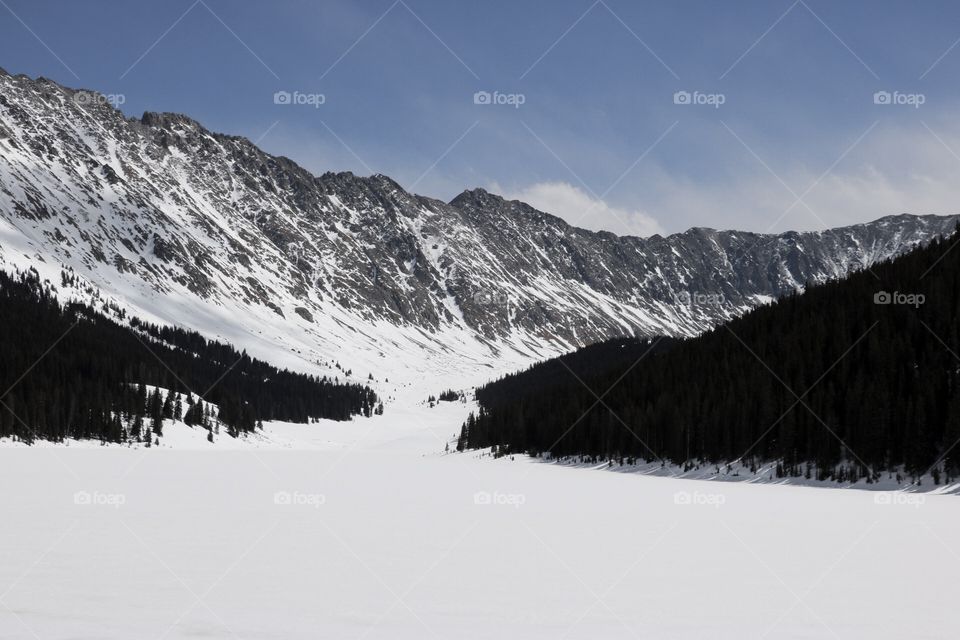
[(372, 533)]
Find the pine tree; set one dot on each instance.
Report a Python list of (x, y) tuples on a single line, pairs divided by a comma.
[(167, 410), (156, 413)]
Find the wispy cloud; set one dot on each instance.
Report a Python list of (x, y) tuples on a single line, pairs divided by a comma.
[(581, 209), (896, 169)]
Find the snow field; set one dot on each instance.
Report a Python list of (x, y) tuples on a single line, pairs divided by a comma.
[(365, 530)]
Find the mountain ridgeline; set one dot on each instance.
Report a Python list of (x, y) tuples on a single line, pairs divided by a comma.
[(357, 269), (70, 371), (848, 380)]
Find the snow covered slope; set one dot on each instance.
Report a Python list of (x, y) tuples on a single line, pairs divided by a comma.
[(184, 226), (266, 545)]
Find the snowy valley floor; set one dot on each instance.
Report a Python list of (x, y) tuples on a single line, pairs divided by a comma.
[(366, 530)]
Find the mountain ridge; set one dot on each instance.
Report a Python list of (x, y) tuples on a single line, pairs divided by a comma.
[(187, 226), (880, 388)]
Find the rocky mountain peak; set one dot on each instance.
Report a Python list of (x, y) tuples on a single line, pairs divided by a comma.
[(206, 230), (166, 120), (476, 196)]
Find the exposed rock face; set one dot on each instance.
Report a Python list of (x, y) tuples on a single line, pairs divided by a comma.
[(161, 205)]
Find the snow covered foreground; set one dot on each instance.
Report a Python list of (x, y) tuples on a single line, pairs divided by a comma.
[(371, 534)]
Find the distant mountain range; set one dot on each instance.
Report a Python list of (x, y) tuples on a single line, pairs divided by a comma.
[(205, 230), (853, 380)]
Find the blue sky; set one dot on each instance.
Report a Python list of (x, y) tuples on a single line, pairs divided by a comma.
[(797, 141)]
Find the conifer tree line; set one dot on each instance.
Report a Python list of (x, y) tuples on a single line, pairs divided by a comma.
[(845, 381), (67, 371)]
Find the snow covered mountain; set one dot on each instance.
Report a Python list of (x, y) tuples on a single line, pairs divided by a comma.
[(184, 226)]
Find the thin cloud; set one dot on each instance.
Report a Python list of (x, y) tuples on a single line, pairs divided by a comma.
[(896, 169), (581, 209)]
